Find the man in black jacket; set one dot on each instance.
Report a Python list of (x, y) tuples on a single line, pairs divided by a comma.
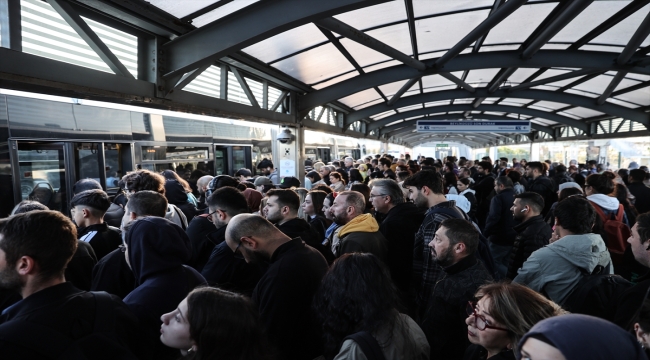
[(561, 176), (87, 209), (499, 223), (35, 248), (401, 221), (639, 190), (532, 233), (284, 294), (454, 246), (483, 185), (282, 210), (541, 184)]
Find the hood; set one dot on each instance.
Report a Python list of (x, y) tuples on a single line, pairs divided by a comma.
[(361, 223), (468, 190), (156, 245), (604, 201), (461, 202), (253, 199), (175, 192), (584, 251)]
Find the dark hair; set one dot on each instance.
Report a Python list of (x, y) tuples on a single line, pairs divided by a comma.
[(570, 191), (643, 227), (461, 231), (355, 175), (575, 214), (465, 181), (265, 163), (86, 184), (243, 172), (505, 181), (541, 167), (337, 175), (430, 179), (147, 203), (144, 180), (390, 188), (560, 168), (229, 200), (47, 236), (637, 175), (385, 162), (532, 199), (356, 294), (317, 199), (450, 179), (486, 165), (224, 325), (602, 183), (28, 205), (95, 199), (315, 176), (322, 187), (514, 175), (286, 197), (172, 175)]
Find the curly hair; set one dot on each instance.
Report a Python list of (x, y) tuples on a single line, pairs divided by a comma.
[(357, 294), (144, 180)]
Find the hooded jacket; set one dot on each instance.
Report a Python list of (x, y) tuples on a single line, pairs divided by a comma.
[(360, 234), (157, 250), (176, 195), (471, 197), (532, 234), (556, 269)]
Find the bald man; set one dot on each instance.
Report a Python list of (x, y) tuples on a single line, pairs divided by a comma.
[(202, 185), (284, 294)]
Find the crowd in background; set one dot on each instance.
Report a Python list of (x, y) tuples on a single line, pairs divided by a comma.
[(375, 258)]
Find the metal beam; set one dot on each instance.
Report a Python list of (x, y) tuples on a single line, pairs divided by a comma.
[(410, 16), (457, 81), (205, 10), (631, 88), (364, 39), (243, 28), (481, 60), (480, 40), (611, 87), (552, 79), (11, 29), (500, 77), (495, 18), (542, 95), (635, 41), (485, 107), (89, 36), (188, 78), (621, 15), (402, 90), (563, 19), (279, 100), (245, 87)]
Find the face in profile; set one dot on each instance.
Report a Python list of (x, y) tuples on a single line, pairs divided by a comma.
[(175, 328)]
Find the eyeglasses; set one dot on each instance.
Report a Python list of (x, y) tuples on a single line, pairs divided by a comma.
[(479, 321), (237, 254), (375, 195), (210, 215)]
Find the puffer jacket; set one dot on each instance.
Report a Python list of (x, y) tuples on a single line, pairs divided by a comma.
[(532, 234), (556, 269)]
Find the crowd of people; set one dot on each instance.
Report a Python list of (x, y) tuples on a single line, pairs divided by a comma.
[(375, 258)]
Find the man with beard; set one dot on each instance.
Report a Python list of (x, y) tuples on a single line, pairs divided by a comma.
[(425, 190), (54, 316), (202, 186), (269, 171), (357, 232), (454, 246), (284, 294), (282, 210)]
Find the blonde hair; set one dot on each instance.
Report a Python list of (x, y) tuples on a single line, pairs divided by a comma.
[(517, 307)]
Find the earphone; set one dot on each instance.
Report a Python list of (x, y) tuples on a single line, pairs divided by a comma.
[(523, 210)]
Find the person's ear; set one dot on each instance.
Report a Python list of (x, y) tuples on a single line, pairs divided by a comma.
[(25, 265), (86, 212), (133, 215), (250, 242), (460, 248)]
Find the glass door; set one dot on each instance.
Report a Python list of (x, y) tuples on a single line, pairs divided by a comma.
[(41, 174), (221, 161)]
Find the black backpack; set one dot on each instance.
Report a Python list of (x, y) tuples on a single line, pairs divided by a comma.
[(51, 344), (597, 294)]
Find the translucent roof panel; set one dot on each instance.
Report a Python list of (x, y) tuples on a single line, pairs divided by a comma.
[(396, 36), (641, 96), (519, 25), (443, 32), (374, 102), (392, 88), (382, 65), (583, 112), (431, 7), (587, 20), (181, 8), (550, 105), (361, 97), (621, 33), (432, 81), (600, 83), (481, 76), (286, 43), (222, 11), (317, 64), (362, 54), (335, 80), (602, 48), (521, 74), (375, 15), (486, 48)]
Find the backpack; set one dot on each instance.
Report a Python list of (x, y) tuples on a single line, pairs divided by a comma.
[(614, 232), (368, 345), (483, 252), (597, 294), (52, 344)]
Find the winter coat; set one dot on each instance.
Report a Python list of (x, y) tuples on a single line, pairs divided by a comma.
[(561, 178), (320, 223), (176, 215), (444, 320), (157, 250), (197, 231), (101, 237), (80, 268), (499, 225), (642, 196), (399, 228), (556, 269), (113, 275), (470, 195), (532, 234), (176, 195), (300, 228), (361, 234)]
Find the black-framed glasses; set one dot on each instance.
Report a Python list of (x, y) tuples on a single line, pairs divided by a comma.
[(237, 254), (210, 215), (479, 321), (375, 195)]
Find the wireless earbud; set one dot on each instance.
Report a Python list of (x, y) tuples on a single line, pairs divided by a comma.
[(523, 210)]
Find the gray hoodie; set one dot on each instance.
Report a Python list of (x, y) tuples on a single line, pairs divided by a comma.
[(556, 268)]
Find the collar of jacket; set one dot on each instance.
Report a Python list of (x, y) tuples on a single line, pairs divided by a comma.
[(521, 227), (39, 299), (444, 204), (96, 227), (361, 223), (464, 264), (295, 243)]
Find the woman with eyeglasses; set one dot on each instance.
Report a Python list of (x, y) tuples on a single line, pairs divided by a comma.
[(211, 323), (503, 313)]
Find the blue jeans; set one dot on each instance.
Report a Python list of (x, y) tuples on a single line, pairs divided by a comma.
[(501, 256)]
